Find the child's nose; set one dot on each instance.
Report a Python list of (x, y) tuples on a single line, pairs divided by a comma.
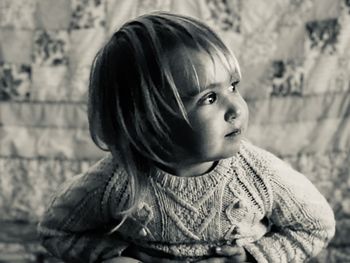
[(232, 113)]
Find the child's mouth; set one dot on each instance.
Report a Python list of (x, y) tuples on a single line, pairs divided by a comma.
[(234, 133)]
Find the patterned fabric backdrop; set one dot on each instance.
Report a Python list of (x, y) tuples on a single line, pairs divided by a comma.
[(295, 58)]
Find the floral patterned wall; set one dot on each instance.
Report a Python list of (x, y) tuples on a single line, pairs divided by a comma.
[(295, 59)]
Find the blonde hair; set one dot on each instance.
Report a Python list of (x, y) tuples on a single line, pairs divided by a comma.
[(132, 93)]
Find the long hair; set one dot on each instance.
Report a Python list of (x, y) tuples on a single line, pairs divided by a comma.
[(132, 93)]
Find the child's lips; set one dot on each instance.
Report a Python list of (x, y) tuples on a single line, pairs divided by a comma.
[(234, 133)]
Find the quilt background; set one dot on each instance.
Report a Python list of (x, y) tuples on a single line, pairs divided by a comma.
[(295, 59)]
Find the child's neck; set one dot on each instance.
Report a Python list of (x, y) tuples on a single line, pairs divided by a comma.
[(189, 170)]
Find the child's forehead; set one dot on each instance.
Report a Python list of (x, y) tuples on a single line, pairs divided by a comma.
[(193, 68)]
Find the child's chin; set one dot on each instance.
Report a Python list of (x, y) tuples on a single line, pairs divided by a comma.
[(231, 153)]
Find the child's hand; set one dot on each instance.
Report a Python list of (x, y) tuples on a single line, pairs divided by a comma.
[(122, 260)]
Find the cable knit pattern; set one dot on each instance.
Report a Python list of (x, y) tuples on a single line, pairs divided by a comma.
[(187, 216)]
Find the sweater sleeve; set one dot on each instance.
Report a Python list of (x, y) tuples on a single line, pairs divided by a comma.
[(302, 220), (74, 228)]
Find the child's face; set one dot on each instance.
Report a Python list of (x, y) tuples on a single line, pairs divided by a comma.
[(217, 113)]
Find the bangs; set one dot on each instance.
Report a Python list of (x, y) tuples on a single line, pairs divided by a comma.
[(197, 83), (189, 35)]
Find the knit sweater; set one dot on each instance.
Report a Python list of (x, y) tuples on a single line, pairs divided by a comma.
[(187, 216)]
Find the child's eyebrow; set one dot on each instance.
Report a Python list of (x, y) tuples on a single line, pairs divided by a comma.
[(213, 85), (232, 79)]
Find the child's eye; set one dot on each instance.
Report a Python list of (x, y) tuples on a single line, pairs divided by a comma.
[(208, 99), (233, 86)]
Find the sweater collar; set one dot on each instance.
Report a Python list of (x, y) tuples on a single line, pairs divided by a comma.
[(223, 168)]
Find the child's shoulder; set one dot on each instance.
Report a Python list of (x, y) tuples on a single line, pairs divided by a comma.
[(266, 163), (96, 178), (274, 168), (96, 184), (104, 166), (105, 170), (256, 154)]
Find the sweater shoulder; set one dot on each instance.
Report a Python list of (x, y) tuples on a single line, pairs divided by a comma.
[(264, 162), (91, 190), (283, 178), (259, 155), (96, 178)]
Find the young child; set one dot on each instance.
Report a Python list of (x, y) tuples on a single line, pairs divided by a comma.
[(180, 179)]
